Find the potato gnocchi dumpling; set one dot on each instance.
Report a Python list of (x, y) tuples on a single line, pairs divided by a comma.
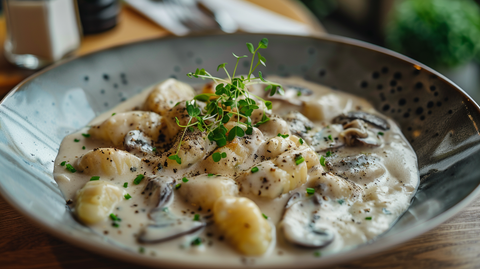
[(108, 162), (240, 221), (165, 95), (117, 126), (203, 191), (96, 200)]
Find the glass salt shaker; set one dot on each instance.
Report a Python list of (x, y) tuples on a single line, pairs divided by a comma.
[(40, 32)]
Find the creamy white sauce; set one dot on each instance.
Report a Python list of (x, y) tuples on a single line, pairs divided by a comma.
[(386, 177)]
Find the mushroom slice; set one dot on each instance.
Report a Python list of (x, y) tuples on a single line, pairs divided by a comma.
[(167, 226), (299, 124), (292, 94), (360, 115), (137, 142), (159, 190), (327, 138), (362, 168), (356, 134), (300, 223)]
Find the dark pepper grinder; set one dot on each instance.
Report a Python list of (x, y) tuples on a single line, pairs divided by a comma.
[(98, 16)]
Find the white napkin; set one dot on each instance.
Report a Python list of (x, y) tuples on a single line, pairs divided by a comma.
[(249, 17)]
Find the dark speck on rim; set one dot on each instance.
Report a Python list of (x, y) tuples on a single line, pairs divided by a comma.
[(115, 85), (450, 111), (439, 103), (385, 70), (122, 75), (375, 75), (322, 73), (446, 99), (406, 115), (419, 110), (409, 129), (102, 91), (422, 118), (402, 102), (416, 72), (392, 111), (106, 77), (382, 97), (364, 84), (393, 83), (105, 104), (397, 75), (418, 85), (416, 99), (430, 104), (399, 88), (429, 112), (379, 86), (386, 107), (86, 78), (436, 94), (433, 88), (392, 91), (173, 76)]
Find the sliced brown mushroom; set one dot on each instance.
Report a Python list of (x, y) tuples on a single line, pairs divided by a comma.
[(326, 139), (165, 225), (137, 142), (159, 191), (301, 225), (299, 124), (360, 115), (356, 134), (362, 168)]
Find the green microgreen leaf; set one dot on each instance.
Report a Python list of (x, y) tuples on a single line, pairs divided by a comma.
[(330, 137), (250, 48), (138, 179), (239, 57), (221, 66), (284, 136), (175, 158), (114, 217), (368, 218), (211, 175), (268, 104), (196, 242), (216, 157), (262, 60), (328, 154), (94, 178), (178, 186), (224, 155), (317, 254), (322, 160), (263, 44), (76, 140), (261, 76), (113, 114), (204, 97), (86, 135), (380, 133), (235, 131)]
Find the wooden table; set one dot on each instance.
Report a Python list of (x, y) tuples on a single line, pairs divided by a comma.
[(454, 244)]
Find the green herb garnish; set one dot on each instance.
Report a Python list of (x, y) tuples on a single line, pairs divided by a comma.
[(86, 135), (254, 169), (317, 254), (113, 114), (83, 147), (301, 141), (196, 217), (341, 201), (125, 185), (265, 216), (63, 163), (380, 133), (231, 100), (284, 136), (211, 175), (70, 168), (127, 196), (141, 250), (330, 137), (328, 154), (178, 186), (154, 149), (196, 242), (94, 178), (217, 156), (310, 191), (76, 140), (114, 217), (138, 179), (116, 225), (184, 179), (299, 159), (322, 160), (368, 218)]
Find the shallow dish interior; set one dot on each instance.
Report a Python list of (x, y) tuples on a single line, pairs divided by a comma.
[(439, 120)]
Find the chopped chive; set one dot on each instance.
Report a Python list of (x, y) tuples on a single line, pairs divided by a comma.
[(301, 141), (317, 254), (63, 163), (265, 216), (113, 114), (196, 217), (115, 225), (154, 149), (310, 191), (76, 140), (330, 137), (138, 179), (165, 209), (141, 250), (125, 185), (178, 186), (299, 159), (386, 212), (328, 154), (83, 147), (70, 168), (368, 218), (127, 196), (94, 178), (114, 217), (341, 201), (284, 136), (86, 135), (254, 169), (299, 93), (322, 161), (196, 242), (184, 179), (380, 133), (211, 175)]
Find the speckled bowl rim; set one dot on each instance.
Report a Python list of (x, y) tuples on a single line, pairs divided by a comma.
[(376, 247)]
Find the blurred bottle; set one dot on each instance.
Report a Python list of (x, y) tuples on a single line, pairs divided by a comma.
[(40, 32), (98, 15)]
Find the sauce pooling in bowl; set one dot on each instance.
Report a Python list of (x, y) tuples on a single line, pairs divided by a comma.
[(325, 173)]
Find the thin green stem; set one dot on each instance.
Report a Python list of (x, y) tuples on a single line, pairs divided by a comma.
[(181, 139), (235, 69)]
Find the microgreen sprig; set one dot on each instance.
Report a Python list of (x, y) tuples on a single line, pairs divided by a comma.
[(231, 100)]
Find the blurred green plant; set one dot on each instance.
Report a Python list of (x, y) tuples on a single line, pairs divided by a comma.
[(321, 8), (439, 33)]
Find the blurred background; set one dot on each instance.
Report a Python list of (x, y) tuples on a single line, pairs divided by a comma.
[(443, 34)]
